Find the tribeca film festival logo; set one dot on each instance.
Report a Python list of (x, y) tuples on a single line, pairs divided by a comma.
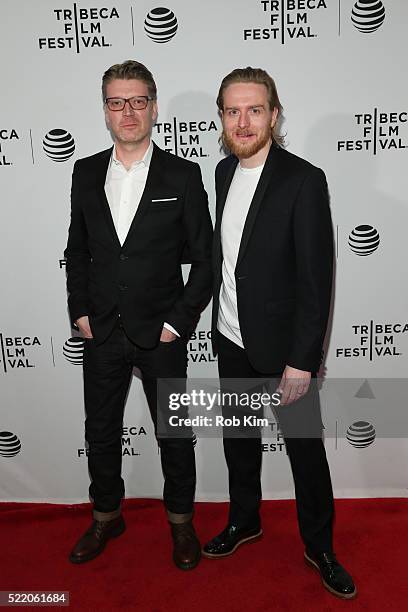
[(184, 138), (364, 240), (368, 15), (5, 137), (160, 25), (58, 145), (361, 434), (378, 131), (375, 340), (199, 347), (79, 28), (10, 445), (17, 351), (279, 445), (285, 20), (130, 435)]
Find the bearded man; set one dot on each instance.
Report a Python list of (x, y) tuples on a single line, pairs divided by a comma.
[(273, 258)]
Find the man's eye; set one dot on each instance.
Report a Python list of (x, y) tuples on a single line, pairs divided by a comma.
[(233, 112), (138, 101)]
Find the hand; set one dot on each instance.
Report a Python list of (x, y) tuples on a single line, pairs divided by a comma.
[(84, 328), (293, 385), (167, 335)]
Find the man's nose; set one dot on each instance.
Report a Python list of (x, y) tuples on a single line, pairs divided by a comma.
[(243, 119), (128, 110)]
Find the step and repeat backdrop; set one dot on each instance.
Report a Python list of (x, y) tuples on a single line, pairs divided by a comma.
[(340, 69)]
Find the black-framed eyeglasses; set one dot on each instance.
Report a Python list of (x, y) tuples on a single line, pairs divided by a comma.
[(137, 103)]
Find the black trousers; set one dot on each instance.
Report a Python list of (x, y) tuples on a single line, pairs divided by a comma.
[(107, 375), (307, 456)]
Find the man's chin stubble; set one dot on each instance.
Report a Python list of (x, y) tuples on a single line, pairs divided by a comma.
[(244, 151)]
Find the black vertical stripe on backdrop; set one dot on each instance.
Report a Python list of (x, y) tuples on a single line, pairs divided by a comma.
[(375, 131), (32, 149), (133, 29), (76, 26), (3, 353), (175, 135), (283, 21)]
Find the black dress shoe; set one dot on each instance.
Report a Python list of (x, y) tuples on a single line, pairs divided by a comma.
[(334, 577), (94, 540), (228, 541), (187, 549)]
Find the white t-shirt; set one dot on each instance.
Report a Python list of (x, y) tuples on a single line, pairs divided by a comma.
[(239, 198)]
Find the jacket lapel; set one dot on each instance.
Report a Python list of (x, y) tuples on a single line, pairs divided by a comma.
[(154, 178), (100, 179), (269, 174), (221, 199)]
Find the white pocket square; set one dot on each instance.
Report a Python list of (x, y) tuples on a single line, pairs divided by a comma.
[(164, 200)]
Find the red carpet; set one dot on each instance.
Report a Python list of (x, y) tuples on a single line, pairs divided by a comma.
[(136, 572)]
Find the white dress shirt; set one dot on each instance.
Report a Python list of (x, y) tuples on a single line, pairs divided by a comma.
[(124, 190), (239, 198)]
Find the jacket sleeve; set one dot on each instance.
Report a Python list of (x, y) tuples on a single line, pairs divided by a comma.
[(198, 231), (313, 239), (77, 254)]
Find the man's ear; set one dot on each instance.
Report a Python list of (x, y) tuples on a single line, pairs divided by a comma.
[(155, 111), (275, 113), (106, 113)]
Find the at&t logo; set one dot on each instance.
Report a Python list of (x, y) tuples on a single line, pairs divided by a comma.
[(364, 240), (10, 445), (73, 350), (59, 145), (79, 28), (361, 434), (368, 15), (161, 25)]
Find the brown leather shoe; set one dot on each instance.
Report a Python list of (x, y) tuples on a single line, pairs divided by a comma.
[(94, 540), (187, 549)]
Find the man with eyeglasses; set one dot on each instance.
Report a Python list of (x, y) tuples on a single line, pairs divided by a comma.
[(136, 211)]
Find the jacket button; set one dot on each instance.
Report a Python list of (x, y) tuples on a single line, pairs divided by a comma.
[(123, 257), (123, 287)]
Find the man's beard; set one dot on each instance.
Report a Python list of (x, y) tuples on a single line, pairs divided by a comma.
[(244, 151)]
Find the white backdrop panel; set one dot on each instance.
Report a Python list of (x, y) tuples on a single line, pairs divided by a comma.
[(344, 94)]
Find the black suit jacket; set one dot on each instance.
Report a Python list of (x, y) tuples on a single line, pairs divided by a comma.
[(284, 268), (142, 280)]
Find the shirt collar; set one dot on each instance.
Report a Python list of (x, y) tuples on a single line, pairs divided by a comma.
[(144, 162)]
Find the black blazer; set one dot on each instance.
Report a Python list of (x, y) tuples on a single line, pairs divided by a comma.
[(284, 268), (142, 280)]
